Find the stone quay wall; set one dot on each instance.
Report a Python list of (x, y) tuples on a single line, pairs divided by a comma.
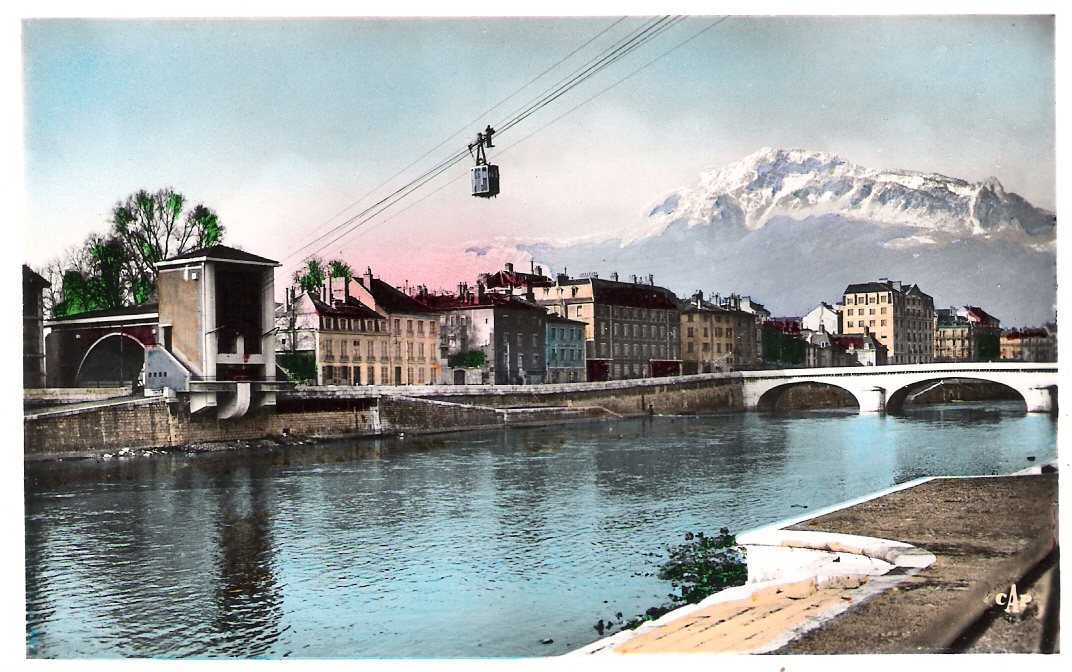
[(145, 423), (152, 423)]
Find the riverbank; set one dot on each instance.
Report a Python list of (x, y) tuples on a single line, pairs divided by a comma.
[(71, 424), (97, 427), (989, 537)]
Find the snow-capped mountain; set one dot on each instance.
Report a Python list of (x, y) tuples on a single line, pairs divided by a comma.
[(748, 194), (792, 228)]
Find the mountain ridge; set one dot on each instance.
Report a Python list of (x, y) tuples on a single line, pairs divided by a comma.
[(792, 228), (749, 193)]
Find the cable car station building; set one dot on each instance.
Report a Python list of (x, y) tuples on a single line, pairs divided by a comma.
[(209, 341)]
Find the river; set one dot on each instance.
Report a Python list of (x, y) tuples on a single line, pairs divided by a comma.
[(467, 545)]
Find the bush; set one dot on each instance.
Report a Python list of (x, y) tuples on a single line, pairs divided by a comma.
[(700, 567)]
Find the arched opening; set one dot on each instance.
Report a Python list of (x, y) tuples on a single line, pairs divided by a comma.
[(116, 359), (955, 390), (805, 396)]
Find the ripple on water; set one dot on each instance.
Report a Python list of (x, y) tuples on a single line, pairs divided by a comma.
[(435, 548)]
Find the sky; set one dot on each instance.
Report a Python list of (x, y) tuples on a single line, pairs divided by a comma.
[(287, 128)]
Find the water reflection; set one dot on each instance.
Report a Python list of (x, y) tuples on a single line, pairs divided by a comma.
[(480, 544)]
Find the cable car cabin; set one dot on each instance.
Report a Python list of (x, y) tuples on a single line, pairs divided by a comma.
[(485, 180)]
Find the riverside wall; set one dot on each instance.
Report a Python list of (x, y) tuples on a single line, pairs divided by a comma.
[(323, 413), (339, 412)]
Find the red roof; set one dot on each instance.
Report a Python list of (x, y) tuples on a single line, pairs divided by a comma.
[(445, 302)]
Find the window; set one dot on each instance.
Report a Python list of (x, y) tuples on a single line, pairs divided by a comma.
[(409, 326), (398, 326), (689, 347), (420, 332)]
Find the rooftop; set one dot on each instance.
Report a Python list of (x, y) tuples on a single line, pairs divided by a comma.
[(219, 253)]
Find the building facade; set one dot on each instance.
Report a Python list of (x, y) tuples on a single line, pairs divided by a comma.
[(823, 317), (631, 327), (337, 343), (33, 328), (1030, 344), (413, 330), (715, 339), (967, 334), (487, 338), (900, 316), (216, 331), (565, 350)]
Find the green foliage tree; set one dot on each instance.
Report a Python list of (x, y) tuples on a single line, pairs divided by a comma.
[(311, 276), (337, 268), (154, 226), (95, 279), (117, 269)]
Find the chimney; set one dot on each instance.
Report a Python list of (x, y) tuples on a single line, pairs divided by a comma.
[(480, 292), (614, 276), (529, 295), (539, 271), (651, 279), (633, 279), (697, 298), (509, 267), (368, 278)]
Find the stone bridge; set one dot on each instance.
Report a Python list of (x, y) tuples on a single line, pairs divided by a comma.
[(881, 388)]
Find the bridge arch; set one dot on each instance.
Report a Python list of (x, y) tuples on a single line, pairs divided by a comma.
[(896, 398), (113, 359), (768, 401)]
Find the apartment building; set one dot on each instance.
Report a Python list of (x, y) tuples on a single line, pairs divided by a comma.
[(900, 316), (631, 327), (489, 338), (565, 350), (967, 334), (714, 338)]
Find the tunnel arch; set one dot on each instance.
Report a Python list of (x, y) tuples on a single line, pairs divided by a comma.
[(113, 359)]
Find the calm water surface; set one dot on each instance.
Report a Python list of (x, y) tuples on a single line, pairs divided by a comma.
[(477, 545)]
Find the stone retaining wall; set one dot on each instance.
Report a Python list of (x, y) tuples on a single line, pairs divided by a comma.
[(152, 423)]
